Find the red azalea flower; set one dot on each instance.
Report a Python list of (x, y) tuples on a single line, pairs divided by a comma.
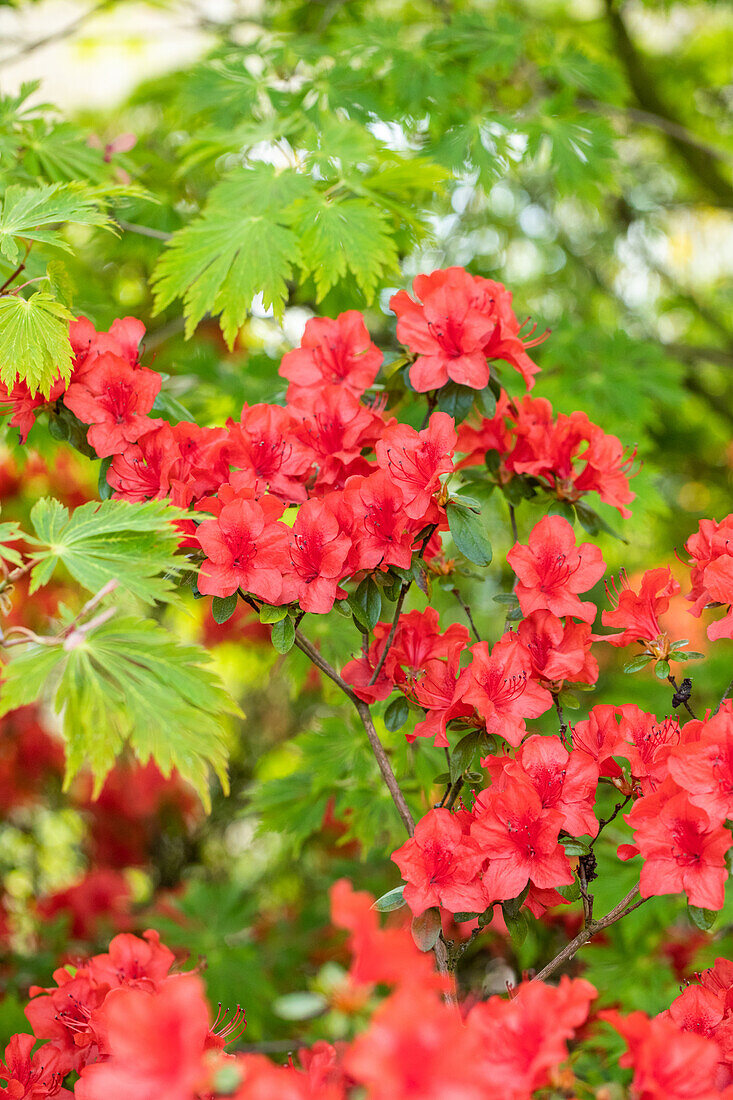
[(202, 466), (31, 1077), (438, 688), (456, 323), (552, 570), (122, 341), (23, 405), (264, 448), (156, 1043), (415, 460), (637, 613), (133, 961), (668, 1063), (705, 768), (101, 895), (148, 470), (683, 849), (115, 399), (565, 781), (417, 1048), (441, 866), (599, 737), (711, 559), (244, 549), (501, 689), (318, 551), (67, 1015), (332, 352), (558, 651), (379, 955), (647, 744), (527, 1034), (336, 428), (387, 532), (519, 837)]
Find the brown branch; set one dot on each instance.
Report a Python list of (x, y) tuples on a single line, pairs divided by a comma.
[(366, 718), (593, 927), (467, 611), (392, 632), (726, 695)]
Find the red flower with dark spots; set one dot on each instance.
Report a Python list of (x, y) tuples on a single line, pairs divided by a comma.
[(441, 865), (415, 460), (244, 549), (637, 613), (115, 399), (558, 651), (318, 551), (501, 689), (552, 570), (336, 352)]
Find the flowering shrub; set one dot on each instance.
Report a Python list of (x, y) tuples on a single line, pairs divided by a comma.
[(348, 497)]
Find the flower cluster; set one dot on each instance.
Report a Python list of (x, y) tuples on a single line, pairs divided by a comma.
[(569, 455), (711, 574)]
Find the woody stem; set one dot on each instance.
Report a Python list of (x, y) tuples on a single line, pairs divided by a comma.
[(366, 718), (591, 929), (392, 632)]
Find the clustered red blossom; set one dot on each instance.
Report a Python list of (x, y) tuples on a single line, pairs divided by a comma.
[(369, 490), (569, 455), (131, 1025)]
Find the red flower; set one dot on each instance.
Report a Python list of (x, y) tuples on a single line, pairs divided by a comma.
[(417, 1048), (336, 428), (565, 781), (318, 551), (683, 849), (244, 549), (525, 1038), (668, 1064), (599, 738), (133, 961), (122, 340), (705, 768), (156, 1043), (711, 558), (387, 532), (267, 453), (379, 955), (147, 470), (438, 688), (558, 651), (415, 460), (115, 399), (68, 1016), (23, 405), (456, 323), (519, 837), (31, 1077), (552, 570), (102, 895), (647, 745), (637, 613), (441, 866), (501, 689), (332, 352)]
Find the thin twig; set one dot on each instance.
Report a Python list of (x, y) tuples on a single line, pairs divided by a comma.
[(392, 632), (467, 611), (726, 695), (513, 521), (144, 230), (366, 718), (593, 927), (607, 820)]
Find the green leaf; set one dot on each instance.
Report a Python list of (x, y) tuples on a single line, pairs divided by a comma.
[(25, 212), (223, 607), (34, 341), (128, 681), (594, 524), (300, 1006), (461, 918), (103, 486), (661, 670), (574, 847), (638, 662), (283, 635), (10, 532), (456, 400), (426, 929), (393, 899), (462, 755), (240, 246), (134, 544), (396, 714), (470, 533), (60, 281), (704, 919), (517, 927), (270, 614), (486, 402), (338, 237), (366, 603)]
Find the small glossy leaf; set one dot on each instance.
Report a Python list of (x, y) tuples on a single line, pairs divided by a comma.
[(426, 929), (704, 919), (390, 901), (574, 847), (270, 614), (637, 663), (396, 714), (223, 607), (661, 670), (283, 635), (470, 533)]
